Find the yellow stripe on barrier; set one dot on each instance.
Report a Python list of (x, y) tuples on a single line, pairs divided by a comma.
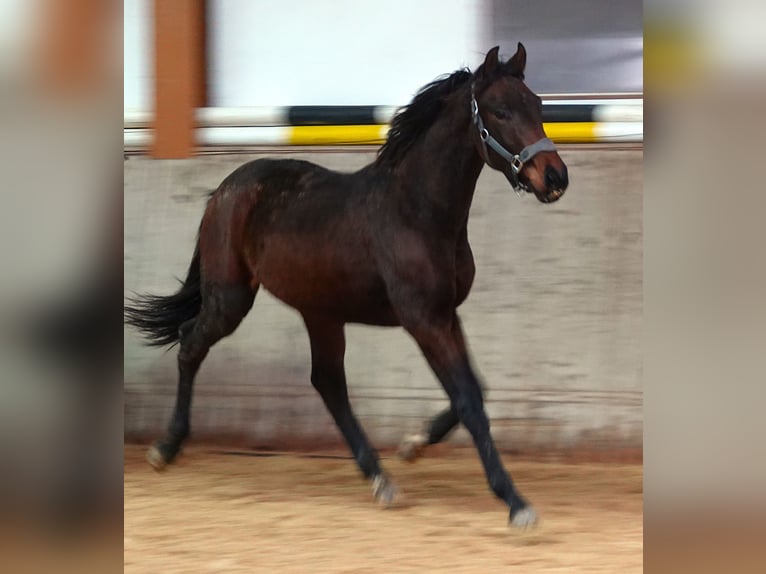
[(337, 135), (571, 132), (559, 132)]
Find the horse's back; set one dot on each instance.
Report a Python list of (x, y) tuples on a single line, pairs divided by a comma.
[(303, 232)]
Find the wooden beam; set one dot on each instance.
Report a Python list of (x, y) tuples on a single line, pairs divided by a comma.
[(179, 49)]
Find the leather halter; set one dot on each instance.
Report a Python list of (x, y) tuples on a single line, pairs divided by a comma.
[(517, 161)]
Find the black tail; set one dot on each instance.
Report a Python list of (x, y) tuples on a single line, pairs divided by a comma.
[(159, 317)]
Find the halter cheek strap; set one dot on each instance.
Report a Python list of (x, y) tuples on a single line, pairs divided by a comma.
[(517, 161)]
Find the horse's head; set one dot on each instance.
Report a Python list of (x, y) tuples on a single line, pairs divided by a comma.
[(508, 120)]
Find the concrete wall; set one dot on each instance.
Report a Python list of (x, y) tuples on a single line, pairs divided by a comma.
[(553, 322)]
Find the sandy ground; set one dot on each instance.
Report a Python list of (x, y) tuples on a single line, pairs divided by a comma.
[(216, 512)]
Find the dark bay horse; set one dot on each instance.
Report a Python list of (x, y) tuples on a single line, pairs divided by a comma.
[(386, 245)]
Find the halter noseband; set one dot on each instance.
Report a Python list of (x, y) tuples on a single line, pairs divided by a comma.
[(517, 161)]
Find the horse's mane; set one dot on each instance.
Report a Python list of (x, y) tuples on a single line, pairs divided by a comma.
[(415, 118)]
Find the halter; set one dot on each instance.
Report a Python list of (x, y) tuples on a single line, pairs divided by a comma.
[(517, 161)]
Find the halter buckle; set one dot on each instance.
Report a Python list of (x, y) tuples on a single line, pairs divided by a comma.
[(516, 164)]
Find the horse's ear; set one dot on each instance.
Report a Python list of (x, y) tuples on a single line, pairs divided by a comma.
[(518, 62), (491, 62)]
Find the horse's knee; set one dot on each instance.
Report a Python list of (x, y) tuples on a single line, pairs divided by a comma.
[(469, 407), (469, 401), (326, 380)]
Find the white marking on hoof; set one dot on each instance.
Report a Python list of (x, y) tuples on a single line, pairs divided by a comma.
[(412, 446), (155, 458), (384, 491), (524, 518)]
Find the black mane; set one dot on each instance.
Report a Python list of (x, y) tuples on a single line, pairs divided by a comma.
[(414, 119)]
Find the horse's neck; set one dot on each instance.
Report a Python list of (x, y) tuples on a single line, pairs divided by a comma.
[(443, 166)]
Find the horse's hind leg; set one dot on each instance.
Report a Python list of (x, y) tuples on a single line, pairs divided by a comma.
[(223, 308), (328, 376)]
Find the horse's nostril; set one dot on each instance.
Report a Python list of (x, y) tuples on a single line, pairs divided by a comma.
[(556, 180), (552, 178)]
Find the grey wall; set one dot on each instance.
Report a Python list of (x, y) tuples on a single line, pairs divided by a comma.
[(574, 46), (553, 322)]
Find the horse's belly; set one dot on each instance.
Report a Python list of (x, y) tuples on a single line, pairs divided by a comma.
[(332, 280)]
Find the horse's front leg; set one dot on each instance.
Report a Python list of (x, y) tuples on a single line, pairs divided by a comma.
[(439, 427), (443, 345)]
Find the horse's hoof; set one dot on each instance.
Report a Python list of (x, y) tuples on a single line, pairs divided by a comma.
[(412, 446), (155, 457), (524, 518), (385, 492)]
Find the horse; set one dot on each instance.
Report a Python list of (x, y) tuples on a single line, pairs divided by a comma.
[(386, 245)]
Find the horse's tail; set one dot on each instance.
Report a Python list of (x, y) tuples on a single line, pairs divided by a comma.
[(159, 317)]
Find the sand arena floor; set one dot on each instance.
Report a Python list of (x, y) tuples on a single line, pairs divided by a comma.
[(215, 512)]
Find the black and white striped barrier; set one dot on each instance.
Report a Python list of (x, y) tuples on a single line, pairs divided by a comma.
[(566, 120)]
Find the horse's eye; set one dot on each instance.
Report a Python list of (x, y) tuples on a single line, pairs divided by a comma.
[(501, 114)]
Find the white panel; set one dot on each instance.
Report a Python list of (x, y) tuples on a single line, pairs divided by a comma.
[(137, 55), (269, 135), (620, 132), (337, 52), (619, 112), (267, 116), (140, 138)]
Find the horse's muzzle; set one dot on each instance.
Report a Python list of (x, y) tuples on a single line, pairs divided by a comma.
[(556, 183)]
